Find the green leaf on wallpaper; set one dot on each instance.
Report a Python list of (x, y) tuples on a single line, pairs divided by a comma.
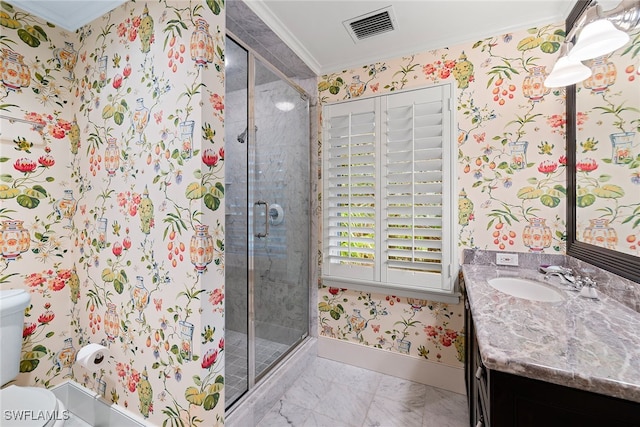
[(323, 306), (28, 365), (174, 349), (609, 191), (334, 314), (50, 179), (108, 275), (107, 111), (4, 159), (586, 200), (476, 184), (118, 286), (503, 165), (559, 188), (214, 6), (533, 180), (118, 118), (476, 44), (529, 193), (195, 191), (211, 202), (197, 174), (529, 43), (50, 334), (211, 401), (26, 37), (550, 47), (218, 190), (123, 276), (35, 193), (550, 201), (6, 177), (27, 201)]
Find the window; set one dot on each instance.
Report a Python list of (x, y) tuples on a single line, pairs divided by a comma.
[(388, 185)]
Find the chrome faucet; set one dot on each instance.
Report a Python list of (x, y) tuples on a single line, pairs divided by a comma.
[(565, 274)]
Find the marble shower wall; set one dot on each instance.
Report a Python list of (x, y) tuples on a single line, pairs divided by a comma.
[(282, 167), (124, 202)]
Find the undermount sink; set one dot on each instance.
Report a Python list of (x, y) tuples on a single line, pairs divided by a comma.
[(527, 289)]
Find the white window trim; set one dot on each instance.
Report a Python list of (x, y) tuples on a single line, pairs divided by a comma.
[(449, 284)]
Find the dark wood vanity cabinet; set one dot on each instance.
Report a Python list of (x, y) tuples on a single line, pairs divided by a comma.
[(498, 399)]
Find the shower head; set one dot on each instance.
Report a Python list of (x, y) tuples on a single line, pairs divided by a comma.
[(242, 136)]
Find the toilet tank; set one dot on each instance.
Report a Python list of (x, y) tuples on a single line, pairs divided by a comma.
[(12, 305)]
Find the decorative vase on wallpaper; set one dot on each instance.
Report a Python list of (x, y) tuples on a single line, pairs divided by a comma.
[(201, 248), (74, 136), (140, 119), (186, 339), (533, 85), (111, 322), (102, 70), (146, 212), (603, 75), (14, 73), (140, 298), (66, 357), (537, 235), (201, 45), (622, 145), (145, 393), (67, 58), (102, 232), (600, 233), (146, 30), (14, 239), (186, 138), (74, 285), (518, 154), (357, 87), (66, 208), (112, 157)]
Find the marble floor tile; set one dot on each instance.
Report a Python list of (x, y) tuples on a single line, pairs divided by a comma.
[(331, 394), (345, 404), (284, 414), (384, 412)]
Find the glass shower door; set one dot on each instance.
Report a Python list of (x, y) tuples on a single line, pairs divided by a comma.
[(280, 191), (267, 221)]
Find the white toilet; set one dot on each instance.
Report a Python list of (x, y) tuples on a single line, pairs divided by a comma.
[(21, 406)]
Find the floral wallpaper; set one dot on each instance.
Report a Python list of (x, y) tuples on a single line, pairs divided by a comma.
[(511, 169), (112, 216)]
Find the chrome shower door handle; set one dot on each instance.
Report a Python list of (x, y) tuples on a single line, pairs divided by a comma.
[(266, 218)]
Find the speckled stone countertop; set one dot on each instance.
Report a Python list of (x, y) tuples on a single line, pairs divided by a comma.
[(587, 344)]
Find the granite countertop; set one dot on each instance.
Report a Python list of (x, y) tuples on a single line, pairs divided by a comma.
[(587, 344)]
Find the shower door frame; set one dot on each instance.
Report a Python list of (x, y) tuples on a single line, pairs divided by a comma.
[(251, 141)]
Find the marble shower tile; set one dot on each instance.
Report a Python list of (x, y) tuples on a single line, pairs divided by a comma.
[(345, 404), (384, 412), (285, 414)]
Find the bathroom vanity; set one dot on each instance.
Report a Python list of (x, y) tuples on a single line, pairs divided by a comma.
[(574, 362)]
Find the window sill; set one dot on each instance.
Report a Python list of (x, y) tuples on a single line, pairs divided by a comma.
[(449, 297)]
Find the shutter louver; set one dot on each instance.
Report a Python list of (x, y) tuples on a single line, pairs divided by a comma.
[(413, 190), (351, 193)]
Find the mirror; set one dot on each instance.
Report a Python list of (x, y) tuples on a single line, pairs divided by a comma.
[(603, 159)]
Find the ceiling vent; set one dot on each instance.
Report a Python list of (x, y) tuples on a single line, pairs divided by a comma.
[(371, 24)]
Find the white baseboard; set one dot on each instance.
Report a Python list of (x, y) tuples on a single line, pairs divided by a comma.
[(394, 364)]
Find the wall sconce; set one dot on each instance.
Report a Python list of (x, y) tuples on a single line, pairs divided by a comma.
[(600, 33)]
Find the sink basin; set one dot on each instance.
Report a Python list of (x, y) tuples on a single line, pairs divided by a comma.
[(527, 289)]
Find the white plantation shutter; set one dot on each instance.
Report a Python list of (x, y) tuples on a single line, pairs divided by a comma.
[(414, 188), (350, 220), (388, 186)]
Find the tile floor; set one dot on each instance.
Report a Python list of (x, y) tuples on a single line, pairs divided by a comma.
[(236, 361), (332, 394)]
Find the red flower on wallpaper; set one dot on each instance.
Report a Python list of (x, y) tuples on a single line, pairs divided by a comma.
[(209, 358), (127, 70), (46, 160), (126, 242), (221, 153), (217, 101), (46, 317), (25, 165), (587, 165), (563, 160), (117, 81), (216, 297), (548, 166), (221, 344), (117, 249), (210, 157), (29, 328)]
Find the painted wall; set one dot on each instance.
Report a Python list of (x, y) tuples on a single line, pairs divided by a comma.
[(511, 148), (122, 196)]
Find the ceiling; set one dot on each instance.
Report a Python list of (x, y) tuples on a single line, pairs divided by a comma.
[(68, 14), (314, 28)]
